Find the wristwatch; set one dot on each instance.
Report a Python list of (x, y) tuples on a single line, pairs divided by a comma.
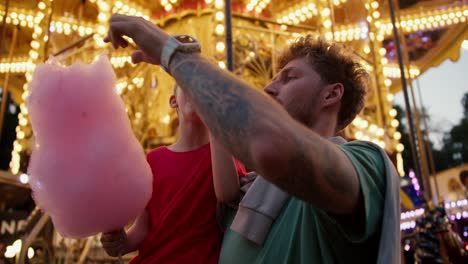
[(182, 43)]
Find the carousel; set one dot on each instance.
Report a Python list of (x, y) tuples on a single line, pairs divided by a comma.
[(396, 41)]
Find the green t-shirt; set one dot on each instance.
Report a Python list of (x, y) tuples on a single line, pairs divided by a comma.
[(303, 233)]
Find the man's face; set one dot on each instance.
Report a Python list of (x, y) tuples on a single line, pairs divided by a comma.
[(297, 88)]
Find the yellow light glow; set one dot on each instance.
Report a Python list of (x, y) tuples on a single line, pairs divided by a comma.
[(326, 12), (219, 16), (388, 82), (380, 132), (364, 124), (219, 29), (395, 123), (465, 44), (382, 51), (400, 164), (366, 49), (166, 119), (358, 135), (400, 147), (397, 135), (219, 4), (220, 46), (393, 112), (221, 64), (376, 14)]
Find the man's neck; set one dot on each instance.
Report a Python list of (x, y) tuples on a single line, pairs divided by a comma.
[(324, 128), (192, 136)]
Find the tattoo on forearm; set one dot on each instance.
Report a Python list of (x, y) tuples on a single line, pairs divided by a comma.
[(223, 106), (233, 112)]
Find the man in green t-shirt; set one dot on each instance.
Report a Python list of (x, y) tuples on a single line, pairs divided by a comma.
[(318, 200)]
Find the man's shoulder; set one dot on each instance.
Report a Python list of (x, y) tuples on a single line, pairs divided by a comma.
[(364, 150), (368, 159)]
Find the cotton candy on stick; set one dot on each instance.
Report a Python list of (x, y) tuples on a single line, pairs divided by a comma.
[(87, 169)]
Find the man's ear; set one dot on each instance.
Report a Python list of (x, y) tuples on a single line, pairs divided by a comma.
[(173, 101), (333, 94)]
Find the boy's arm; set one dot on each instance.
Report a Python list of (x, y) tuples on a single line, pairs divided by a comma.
[(120, 243), (225, 177)]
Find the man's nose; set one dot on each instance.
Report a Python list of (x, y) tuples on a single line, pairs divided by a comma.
[(272, 89)]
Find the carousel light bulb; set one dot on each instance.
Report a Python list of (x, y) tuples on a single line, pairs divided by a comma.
[(380, 132), (393, 112), (358, 135), (326, 12), (395, 123), (376, 14), (400, 147), (366, 49), (220, 46), (397, 135), (388, 82), (219, 16), (219, 29), (221, 64), (375, 5), (219, 4), (382, 51)]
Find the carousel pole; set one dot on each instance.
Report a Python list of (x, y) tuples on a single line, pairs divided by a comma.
[(5, 82), (431, 163), (7, 5), (421, 138), (228, 21), (412, 134)]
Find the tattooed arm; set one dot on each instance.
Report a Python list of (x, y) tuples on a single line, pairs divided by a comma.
[(262, 135), (253, 127)]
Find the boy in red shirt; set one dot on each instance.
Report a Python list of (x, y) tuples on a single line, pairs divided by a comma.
[(179, 224)]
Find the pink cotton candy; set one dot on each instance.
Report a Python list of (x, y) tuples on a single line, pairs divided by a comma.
[(87, 169)]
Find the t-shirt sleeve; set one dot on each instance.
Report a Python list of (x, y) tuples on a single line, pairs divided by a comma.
[(241, 170), (370, 167)]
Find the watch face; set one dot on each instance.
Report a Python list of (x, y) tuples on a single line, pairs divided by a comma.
[(185, 39)]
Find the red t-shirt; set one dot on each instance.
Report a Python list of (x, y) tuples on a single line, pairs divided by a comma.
[(182, 209)]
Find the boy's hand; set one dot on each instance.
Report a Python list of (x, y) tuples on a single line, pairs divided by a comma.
[(149, 38), (115, 243)]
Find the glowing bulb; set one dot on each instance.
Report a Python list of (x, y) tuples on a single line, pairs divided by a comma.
[(219, 16), (388, 82), (366, 49), (397, 135), (219, 29), (219, 4), (220, 46), (400, 147), (221, 64), (382, 51), (390, 97), (24, 178), (166, 119), (326, 12), (393, 112)]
